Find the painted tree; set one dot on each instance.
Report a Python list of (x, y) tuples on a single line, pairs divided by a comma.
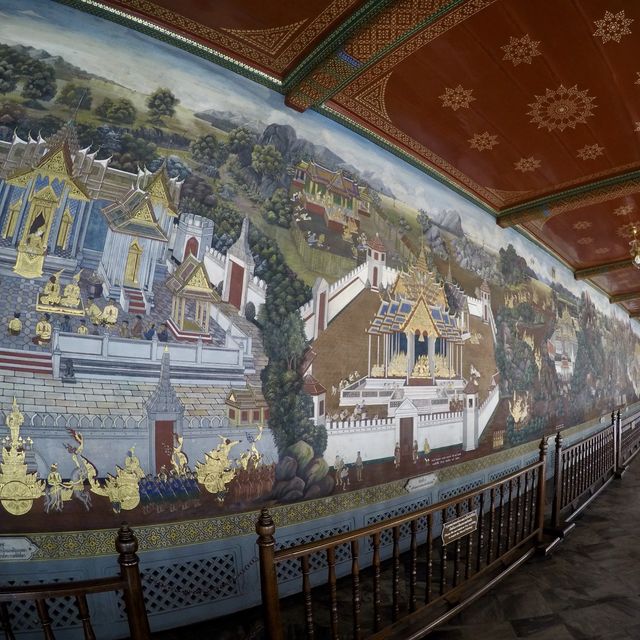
[(75, 96), (120, 111), (8, 77), (40, 83), (278, 209), (512, 266), (208, 150), (161, 103), (266, 160), (240, 140)]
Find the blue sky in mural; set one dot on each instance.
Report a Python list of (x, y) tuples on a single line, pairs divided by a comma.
[(143, 63)]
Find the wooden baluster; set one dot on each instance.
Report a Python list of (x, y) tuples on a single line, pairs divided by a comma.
[(557, 484), (525, 511), (355, 588), (85, 617), (333, 592), (507, 538), (456, 554), (501, 492), (532, 502), (396, 574), (413, 573), (443, 559), (540, 498), (265, 528), (308, 600), (480, 551), (516, 527), (574, 471), (45, 620), (126, 546), (467, 567), (492, 522), (376, 581), (429, 577), (5, 621)]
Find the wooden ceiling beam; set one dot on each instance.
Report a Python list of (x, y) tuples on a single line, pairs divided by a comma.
[(607, 267), (634, 315), (624, 297)]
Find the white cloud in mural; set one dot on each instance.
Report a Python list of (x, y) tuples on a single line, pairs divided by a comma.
[(31, 13)]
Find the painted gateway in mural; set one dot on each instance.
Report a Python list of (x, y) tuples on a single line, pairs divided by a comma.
[(205, 311)]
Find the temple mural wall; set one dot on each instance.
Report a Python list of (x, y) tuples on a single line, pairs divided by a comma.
[(211, 302)]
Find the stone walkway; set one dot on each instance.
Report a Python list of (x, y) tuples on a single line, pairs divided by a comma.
[(589, 589)]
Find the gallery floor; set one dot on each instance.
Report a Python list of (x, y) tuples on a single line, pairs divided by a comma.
[(589, 589)]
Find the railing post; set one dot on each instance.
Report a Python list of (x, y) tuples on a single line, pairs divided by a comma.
[(618, 465), (557, 484), (541, 498), (126, 546), (265, 528)]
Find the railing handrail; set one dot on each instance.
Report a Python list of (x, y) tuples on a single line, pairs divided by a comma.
[(320, 545), (586, 441), (34, 592)]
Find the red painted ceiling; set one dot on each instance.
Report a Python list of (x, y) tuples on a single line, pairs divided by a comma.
[(531, 107)]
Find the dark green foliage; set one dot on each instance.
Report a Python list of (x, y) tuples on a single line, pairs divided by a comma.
[(424, 221), (266, 160), (134, 152), (278, 209), (161, 103), (531, 431), (512, 266), (73, 95), (40, 83), (120, 111), (208, 150), (240, 140), (8, 77)]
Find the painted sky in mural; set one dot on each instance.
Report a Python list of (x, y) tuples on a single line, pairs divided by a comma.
[(251, 304)]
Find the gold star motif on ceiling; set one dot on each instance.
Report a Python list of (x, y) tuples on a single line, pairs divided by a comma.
[(638, 78), (458, 98), (586, 240), (626, 230), (483, 141), (623, 210), (590, 152), (613, 26), (520, 50), (581, 224), (561, 108), (527, 164), (602, 250), (637, 129)]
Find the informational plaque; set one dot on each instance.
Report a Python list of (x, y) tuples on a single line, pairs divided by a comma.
[(459, 527), (16, 548), (421, 482)]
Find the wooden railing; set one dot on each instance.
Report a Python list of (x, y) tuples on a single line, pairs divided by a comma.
[(628, 440), (581, 471), (477, 537), (128, 582)]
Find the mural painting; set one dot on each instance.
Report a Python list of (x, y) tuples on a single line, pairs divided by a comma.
[(211, 302)]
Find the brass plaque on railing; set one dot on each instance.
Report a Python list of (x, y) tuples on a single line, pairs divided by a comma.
[(460, 527)]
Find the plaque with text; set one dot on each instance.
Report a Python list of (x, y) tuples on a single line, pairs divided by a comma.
[(421, 482), (16, 548), (460, 527)]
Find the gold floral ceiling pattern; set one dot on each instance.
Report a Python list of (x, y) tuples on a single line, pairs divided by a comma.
[(530, 108)]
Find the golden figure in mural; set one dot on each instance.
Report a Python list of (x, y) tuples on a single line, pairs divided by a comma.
[(94, 312), (421, 368), (519, 408), (179, 460), (109, 314), (43, 331), (15, 325), (51, 294), (18, 488), (216, 472), (31, 251), (71, 295), (122, 489)]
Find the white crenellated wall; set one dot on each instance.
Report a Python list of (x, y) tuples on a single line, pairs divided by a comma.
[(214, 263)]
